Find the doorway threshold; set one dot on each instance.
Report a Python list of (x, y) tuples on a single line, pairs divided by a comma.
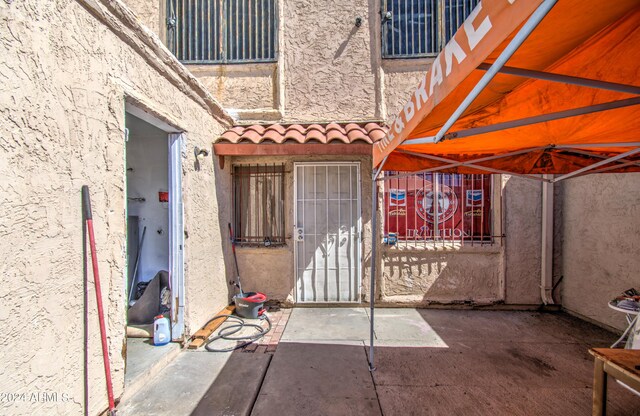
[(145, 361)]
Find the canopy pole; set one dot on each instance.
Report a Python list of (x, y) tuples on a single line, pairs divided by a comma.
[(533, 21), (374, 243)]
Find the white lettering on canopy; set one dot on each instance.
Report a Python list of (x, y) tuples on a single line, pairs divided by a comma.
[(398, 125), (450, 50), (409, 110), (475, 35), (421, 93), (436, 74), (388, 138)]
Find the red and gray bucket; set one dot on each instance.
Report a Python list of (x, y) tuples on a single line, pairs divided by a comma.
[(250, 304)]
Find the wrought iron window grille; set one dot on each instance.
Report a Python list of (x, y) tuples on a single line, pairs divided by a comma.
[(223, 31), (258, 205), (420, 28), (438, 208)]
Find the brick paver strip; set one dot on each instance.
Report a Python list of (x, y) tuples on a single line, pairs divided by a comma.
[(264, 340)]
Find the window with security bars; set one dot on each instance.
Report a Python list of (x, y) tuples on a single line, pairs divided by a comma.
[(437, 207), (258, 204), (223, 31), (420, 28)]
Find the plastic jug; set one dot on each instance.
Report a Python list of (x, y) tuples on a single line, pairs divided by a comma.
[(161, 330)]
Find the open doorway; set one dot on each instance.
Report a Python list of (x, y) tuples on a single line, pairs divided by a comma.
[(154, 279)]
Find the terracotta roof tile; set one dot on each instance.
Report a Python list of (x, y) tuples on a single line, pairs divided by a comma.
[(322, 133)]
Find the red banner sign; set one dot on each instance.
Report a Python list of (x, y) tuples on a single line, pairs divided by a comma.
[(457, 206)]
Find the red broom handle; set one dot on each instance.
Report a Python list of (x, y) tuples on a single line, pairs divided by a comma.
[(96, 276)]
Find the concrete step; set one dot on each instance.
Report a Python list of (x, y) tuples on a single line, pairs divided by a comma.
[(144, 362), (201, 383)]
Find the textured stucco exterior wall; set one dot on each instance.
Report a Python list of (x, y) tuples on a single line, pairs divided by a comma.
[(150, 13), (601, 248), (522, 217), (441, 275), (330, 70), (244, 87), (65, 79), (400, 78), (322, 52)]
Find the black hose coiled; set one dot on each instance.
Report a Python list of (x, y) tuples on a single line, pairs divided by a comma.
[(227, 332)]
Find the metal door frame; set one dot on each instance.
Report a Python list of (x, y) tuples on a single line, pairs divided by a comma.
[(357, 261), (176, 140), (176, 234)]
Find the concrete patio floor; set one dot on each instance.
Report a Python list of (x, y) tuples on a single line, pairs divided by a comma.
[(429, 362)]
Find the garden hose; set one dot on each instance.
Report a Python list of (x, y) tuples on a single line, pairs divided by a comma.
[(228, 331)]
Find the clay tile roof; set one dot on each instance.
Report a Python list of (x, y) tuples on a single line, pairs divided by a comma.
[(304, 133)]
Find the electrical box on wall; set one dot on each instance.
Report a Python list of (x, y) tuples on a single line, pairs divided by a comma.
[(163, 196)]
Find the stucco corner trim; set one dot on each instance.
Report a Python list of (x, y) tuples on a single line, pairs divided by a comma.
[(124, 23)]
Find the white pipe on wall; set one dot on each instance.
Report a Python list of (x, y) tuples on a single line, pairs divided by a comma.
[(546, 260)]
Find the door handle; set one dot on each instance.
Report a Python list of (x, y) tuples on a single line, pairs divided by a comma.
[(298, 234)]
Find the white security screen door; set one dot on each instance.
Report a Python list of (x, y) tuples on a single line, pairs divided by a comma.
[(327, 232), (176, 235)]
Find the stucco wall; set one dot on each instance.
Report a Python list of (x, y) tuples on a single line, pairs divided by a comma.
[(442, 275), (400, 77), (243, 87), (322, 52), (328, 69), (65, 80), (150, 13), (523, 213), (601, 248)]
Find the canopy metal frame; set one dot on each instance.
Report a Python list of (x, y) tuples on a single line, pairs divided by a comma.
[(565, 79), (574, 148), (527, 121), (529, 26), (491, 70)]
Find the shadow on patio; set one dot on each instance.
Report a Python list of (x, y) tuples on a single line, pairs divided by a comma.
[(429, 362)]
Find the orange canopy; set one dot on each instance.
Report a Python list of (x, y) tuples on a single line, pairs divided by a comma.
[(566, 101)]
